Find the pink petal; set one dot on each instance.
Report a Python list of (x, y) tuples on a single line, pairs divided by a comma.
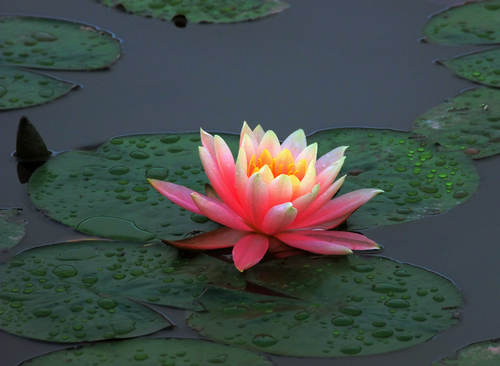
[(271, 143), (308, 182), (278, 218), (328, 175), (225, 159), (343, 206), (257, 199), (296, 142), (302, 203), (347, 239), (281, 250), (249, 250), (220, 238), (280, 190), (177, 194), (329, 158), (207, 140), (217, 211), (248, 145), (259, 133), (302, 241), (247, 131), (241, 177), (309, 153), (210, 192)]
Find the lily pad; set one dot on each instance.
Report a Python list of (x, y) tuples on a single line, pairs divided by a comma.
[(212, 11), (152, 352), (419, 177), (90, 290), (469, 122), (482, 67), (485, 353), (11, 230), (21, 88), (335, 307), (49, 43), (469, 23)]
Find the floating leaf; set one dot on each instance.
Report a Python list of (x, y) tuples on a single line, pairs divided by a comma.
[(213, 11), (154, 352), (482, 67), (418, 177), (485, 353), (470, 23), (11, 230), (105, 192), (48, 43), (21, 88), (86, 291), (469, 122), (341, 306)]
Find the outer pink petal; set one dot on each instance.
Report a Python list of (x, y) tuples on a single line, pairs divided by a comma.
[(257, 199), (296, 142), (282, 250), (248, 145), (225, 159), (280, 190), (302, 203), (329, 158), (347, 239), (328, 175), (207, 140), (308, 182), (319, 246), (217, 211), (220, 238), (339, 207), (278, 218), (177, 194), (271, 143), (241, 177), (249, 250), (309, 153)]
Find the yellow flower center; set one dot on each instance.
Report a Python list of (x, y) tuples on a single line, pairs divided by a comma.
[(283, 163)]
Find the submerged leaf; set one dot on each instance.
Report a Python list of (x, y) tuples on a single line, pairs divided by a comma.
[(213, 11), (90, 290), (485, 353), (11, 230), (419, 178), (22, 88), (154, 352), (49, 43), (334, 307), (482, 67), (469, 122), (469, 23)]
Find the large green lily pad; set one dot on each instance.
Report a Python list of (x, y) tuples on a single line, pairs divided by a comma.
[(469, 122), (12, 230), (151, 351), (49, 43), (470, 23), (418, 177), (482, 67), (213, 11), (485, 353), (105, 192), (90, 290), (21, 88), (339, 306)]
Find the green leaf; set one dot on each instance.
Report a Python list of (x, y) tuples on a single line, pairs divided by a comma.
[(49, 43), (90, 290), (21, 88), (11, 230), (482, 67), (485, 353), (469, 122), (470, 23), (418, 177), (151, 351), (213, 11), (335, 307), (107, 193)]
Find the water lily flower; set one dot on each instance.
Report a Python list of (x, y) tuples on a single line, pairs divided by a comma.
[(273, 194)]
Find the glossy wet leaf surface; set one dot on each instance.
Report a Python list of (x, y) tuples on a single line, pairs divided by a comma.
[(340, 306), (482, 67), (213, 11), (12, 228), (168, 352), (21, 88), (90, 290), (469, 122), (470, 23), (48, 43), (418, 177), (485, 353)]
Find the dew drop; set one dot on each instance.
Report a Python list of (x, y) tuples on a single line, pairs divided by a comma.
[(170, 139), (385, 288), (44, 37), (114, 228), (78, 254), (382, 333), (3, 91), (301, 315), (350, 350), (397, 303), (65, 271), (42, 312), (362, 268), (218, 359), (46, 93), (342, 321), (460, 194), (351, 310), (264, 340), (140, 155), (119, 170), (107, 303), (200, 219), (45, 62), (157, 173), (140, 356), (235, 310)]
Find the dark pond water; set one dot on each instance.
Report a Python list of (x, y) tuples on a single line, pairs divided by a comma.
[(319, 64)]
